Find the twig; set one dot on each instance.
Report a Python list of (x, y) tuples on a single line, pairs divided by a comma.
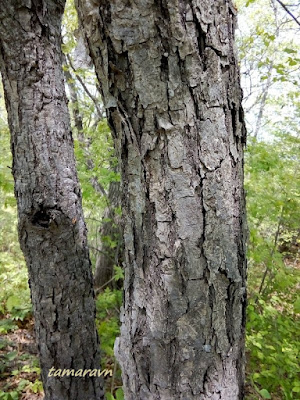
[(272, 252), (263, 100), (102, 252), (113, 377), (99, 112), (288, 11), (97, 291)]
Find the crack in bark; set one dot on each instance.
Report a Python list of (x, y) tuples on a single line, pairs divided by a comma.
[(182, 192)]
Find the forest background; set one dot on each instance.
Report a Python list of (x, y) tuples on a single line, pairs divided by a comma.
[(268, 45)]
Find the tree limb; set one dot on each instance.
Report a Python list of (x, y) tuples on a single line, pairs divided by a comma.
[(99, 112), (288, 11)]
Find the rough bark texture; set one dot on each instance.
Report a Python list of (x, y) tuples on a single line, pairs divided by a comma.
[(52, 231), (170, 83)]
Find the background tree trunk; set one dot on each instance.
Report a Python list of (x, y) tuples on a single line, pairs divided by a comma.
[(109, 231), (170, 83), (52, 231)]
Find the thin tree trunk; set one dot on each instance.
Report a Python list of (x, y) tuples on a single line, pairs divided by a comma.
[(263, 100), (78, 123), (107, 256), (52, 231), (170, 83), (265, 92), (109, 230)]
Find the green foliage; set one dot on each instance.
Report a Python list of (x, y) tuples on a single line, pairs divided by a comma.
[(274, 348), (119, 395), (108, 307), (270, 57), (273, 196), (108, 310), (70, 24), (119, 273), (7, 325), (272, 184), (13, 395), (6, 360), (26, 377), (100, 151), (15, 298), (96, 164)]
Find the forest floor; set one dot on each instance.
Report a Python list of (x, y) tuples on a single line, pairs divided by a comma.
[(18, 352), (19, 363), (18, 355), (19, 366)]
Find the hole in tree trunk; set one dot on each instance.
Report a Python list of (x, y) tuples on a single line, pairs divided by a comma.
[(41, 218)]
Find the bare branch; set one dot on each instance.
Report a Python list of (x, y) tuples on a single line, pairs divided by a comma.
[(85, 88), (288, 11)]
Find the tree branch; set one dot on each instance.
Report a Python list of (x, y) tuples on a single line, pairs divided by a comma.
[(288, 11), (85, 88)]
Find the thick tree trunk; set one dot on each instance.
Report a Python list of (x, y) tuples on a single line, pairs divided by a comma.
[(52, 231), (170, 83)]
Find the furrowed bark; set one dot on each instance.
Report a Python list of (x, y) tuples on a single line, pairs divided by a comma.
[(170, 84), (52, 231)]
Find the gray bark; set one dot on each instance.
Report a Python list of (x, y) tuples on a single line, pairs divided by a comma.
[(51, 227), (170, 83)]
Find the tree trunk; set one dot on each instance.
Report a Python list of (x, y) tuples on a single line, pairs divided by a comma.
[(109, 230), (78, 122), (52, 231), (170, 83), (107, 256)]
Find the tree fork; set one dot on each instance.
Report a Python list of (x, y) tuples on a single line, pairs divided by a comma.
[(51, 227)]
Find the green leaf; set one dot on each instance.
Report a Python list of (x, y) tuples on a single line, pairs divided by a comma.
[(257, 344), (265, 394), (120, 394), (12, 302), (9, 395), (119, 273), (289, 51), (292, 62), (7, 325), (297, 306), (13, 395), (11, 355)]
